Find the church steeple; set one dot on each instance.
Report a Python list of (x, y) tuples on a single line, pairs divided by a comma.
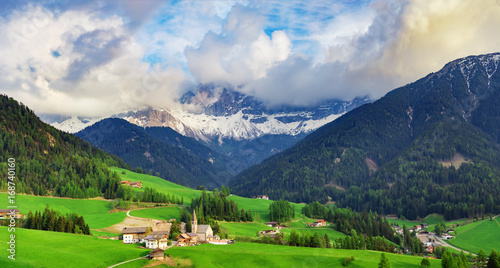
[(194, 223)]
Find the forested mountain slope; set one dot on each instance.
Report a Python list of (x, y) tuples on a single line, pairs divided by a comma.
[(51, 162), (431, 146), (176, 158)]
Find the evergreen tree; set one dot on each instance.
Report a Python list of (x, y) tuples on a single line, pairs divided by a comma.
[(384, 262), (425, 263), (481, 258), (494, 259)]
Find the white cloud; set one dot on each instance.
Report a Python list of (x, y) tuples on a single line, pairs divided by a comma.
[(75, 63), (241, 53)]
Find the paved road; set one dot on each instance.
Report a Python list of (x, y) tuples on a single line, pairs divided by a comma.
[(127, 261), (450, 246)]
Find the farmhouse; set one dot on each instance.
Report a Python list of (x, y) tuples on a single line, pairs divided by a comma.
[(272, 224), (136, 184), (317, 223), (187, 239), (132, 235), (157, 240), (417, 228), (446, 236), (5, 213), (125, 182), (265, 197), (157, 254)]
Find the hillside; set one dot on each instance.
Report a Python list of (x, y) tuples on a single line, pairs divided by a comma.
[(51, 162), (187, 163), (388, 156)]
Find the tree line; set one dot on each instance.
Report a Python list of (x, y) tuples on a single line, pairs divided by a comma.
[(52, 220)]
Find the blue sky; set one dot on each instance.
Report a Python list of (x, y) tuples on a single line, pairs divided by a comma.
[(95, 58)]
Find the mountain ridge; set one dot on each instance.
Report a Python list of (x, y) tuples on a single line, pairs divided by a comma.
[(403, 135)]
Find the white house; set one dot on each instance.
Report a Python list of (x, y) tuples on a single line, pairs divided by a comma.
[(156, 240), (132, 235)]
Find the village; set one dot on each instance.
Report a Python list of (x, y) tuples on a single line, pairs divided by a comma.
[(157, 237)]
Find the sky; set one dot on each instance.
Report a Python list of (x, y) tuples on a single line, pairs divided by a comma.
[(97, 58)]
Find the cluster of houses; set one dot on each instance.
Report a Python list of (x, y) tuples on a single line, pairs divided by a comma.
[(157, 237), (7, 213), (154, 238), (416, 228), (265, 197), (135, 184)]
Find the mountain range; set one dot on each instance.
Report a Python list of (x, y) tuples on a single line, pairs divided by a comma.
[(232, 124), (431, 146)]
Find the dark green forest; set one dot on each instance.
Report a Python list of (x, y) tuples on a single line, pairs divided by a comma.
[(51, 162), (386, 156), (151, 150)]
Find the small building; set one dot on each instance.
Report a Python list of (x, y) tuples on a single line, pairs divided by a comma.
[(132, 235), (157, 254), (265, 197), (187, 239), (211, 238), (136, 184), (125, 182), (6, 213), (272, 224), (425, 225), (446, 236), (417, 228), (319, 223), (157, 240), (268, 232)]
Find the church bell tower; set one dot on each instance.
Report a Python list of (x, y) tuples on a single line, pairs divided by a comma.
[(194, 223)]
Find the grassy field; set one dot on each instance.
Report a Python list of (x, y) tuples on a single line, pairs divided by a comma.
[(433, 219), (249, 229), (158, 184), (403, 222), (161, 213), (479, 235), (332, 234), (50, 249), (259, 255), (95, 212)]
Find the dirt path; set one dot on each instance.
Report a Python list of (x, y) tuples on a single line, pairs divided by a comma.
[(127, 261)]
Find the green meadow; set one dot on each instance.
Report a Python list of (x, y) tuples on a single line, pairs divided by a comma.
[(479, 235), (403, 222), (158, 184), (161, 213), (95, 212), (249, 229), (262, 255), (50, 249), (332, 233)]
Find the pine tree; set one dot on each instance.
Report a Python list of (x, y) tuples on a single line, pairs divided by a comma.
[(481, 258), (384, 262), (494, 259)]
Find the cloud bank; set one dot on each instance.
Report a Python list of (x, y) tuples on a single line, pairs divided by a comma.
[(95, 59)]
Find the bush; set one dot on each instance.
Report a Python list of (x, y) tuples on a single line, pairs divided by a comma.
[(347, 261)]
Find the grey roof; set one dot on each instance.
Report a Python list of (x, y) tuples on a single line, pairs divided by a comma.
[(203, 228), (160, 233), (156, 235), (134, 230), (192, 234)]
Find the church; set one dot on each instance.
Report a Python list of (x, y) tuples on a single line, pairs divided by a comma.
[(204, 232)]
